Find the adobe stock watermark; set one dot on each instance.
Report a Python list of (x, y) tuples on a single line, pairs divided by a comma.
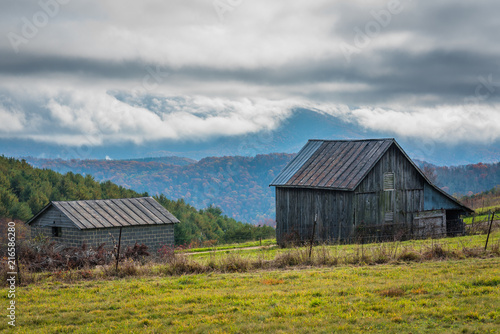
[(484, 90), (372, 29), (31, 26), (221, 7), (12, 274), (152, 80)]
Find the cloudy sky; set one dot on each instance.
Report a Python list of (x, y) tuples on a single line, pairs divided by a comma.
[(98, 73)]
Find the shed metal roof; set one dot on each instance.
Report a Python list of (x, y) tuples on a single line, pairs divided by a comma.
[(90, 214), (332, 164)]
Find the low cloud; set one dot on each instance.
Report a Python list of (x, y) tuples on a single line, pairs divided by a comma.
[(96, 118), (447, 124)]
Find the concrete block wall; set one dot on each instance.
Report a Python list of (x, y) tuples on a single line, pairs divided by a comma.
[(71, 237), (153, 236)]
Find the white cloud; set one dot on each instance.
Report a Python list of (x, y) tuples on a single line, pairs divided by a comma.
[(11, 121), (96, 117), (447, 123)]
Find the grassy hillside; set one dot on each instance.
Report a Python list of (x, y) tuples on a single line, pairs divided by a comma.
[(25, 190), (484, 201), (435, 297), (464, 180)]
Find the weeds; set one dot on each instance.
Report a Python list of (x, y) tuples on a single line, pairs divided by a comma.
[(392, 292), (45, 260)]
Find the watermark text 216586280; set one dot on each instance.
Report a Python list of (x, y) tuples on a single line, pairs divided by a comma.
[(11, 274)]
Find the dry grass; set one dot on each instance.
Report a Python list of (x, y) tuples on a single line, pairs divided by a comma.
[(173, 264)]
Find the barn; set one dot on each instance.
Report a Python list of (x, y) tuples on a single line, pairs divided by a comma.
[(94, 222), (344, 190)]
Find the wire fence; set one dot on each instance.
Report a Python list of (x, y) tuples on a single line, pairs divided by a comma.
[(391, 232)]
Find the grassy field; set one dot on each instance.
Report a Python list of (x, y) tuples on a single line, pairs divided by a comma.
[(265, 242), (346, 253), (483, 216), (461, 296)]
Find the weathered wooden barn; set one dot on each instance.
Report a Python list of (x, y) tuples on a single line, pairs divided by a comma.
[(351, 189), (94, 222)]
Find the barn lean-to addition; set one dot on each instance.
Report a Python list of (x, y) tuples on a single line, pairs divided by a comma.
[(94, 222), (347, 189)]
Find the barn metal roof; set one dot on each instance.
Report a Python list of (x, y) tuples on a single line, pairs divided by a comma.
[(332, 164), (90, 214)]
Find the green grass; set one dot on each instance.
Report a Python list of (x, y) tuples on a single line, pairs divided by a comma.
[(265, 242), (352, 250), (461, 296), (482, 217), (487, 209)]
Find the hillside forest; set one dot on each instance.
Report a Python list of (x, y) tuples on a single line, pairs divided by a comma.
[(25, 190)]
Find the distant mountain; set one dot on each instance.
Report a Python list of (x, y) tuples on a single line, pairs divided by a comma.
[(239, 185), (170, 160), (466, 179)]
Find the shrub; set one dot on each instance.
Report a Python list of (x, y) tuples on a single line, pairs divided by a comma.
[(181, 265), (409, 256), (289, 259), (234, 263), (137, 252), (436, 251)]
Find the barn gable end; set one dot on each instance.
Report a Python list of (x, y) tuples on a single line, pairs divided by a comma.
[(357, 187)]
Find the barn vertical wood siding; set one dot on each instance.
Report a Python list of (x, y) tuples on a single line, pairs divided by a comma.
[(296, 210)]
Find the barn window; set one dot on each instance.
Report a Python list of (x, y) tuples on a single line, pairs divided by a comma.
[(389, 181), (56, 231), (389, 216)]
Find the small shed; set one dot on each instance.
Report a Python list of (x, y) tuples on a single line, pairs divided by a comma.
[(351, 189), (94, 222)]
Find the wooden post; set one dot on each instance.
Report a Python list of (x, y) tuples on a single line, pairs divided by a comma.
[(312, 236), (118, 250), (18, 265), (489, 230)]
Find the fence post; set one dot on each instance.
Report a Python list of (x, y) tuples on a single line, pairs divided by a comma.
[(312, 236), (489, 230), (118, 250), (472, 224)]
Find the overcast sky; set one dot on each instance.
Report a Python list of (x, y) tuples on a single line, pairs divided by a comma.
[(138, 71)]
